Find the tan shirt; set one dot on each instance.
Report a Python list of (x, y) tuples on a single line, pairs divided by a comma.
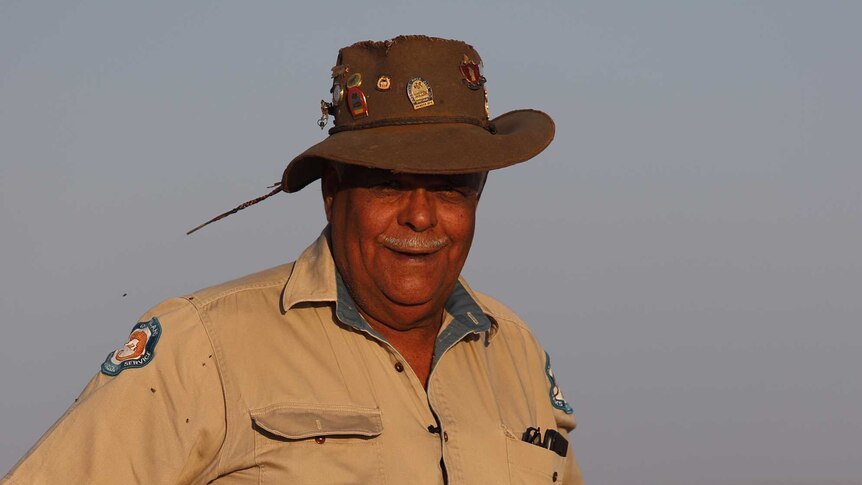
[(275, 378)]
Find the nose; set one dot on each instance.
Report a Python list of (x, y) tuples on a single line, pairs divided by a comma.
[(418, 212)]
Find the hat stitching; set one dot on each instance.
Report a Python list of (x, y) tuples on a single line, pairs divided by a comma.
[(415, 121)]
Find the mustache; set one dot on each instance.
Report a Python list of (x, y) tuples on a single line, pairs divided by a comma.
[(415, 242)]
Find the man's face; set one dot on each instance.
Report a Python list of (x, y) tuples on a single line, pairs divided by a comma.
[(400, 240)]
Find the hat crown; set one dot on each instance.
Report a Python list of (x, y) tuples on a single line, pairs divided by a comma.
[(419, 106), (407, 80)]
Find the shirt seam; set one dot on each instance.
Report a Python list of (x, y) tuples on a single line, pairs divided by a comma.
[(516, 322), (204, 302), (222, 379)]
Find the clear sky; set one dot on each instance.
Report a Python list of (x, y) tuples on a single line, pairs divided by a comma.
[(687, 249)]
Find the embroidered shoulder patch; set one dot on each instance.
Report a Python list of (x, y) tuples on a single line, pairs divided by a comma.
[(556, 395), (138, 351)]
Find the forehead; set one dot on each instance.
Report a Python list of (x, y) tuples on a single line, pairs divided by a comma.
[(355, 175)]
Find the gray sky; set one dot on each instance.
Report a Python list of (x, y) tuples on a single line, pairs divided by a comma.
[(687, 249)]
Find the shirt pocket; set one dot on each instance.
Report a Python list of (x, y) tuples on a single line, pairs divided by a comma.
[(532, 464), (318, 443)]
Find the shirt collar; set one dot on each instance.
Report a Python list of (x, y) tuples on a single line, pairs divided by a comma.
[(315, 279), (313, 276)]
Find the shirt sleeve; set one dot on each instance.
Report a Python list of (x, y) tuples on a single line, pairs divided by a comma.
[(158, 419), (565, 424), (565, 420)]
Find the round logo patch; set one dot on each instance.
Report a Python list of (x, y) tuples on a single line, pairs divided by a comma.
[(137, 351)]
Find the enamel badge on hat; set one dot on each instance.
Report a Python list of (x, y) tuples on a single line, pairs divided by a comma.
[(471, 73), (356, 102), (420, 93)]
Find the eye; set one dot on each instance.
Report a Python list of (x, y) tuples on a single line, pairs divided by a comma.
[(452, 192), (388, 184), (444, 188), (385, 186)]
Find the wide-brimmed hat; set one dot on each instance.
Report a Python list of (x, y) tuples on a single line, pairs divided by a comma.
[(416, 104), (413, 104)]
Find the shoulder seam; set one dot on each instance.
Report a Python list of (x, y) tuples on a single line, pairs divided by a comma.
[(203, 326), (508, 315), (203, 302), (521, 325)]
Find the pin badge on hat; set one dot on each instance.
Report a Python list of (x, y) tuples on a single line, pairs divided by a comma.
[(356, 102), (337, 94), (471, 73), (340, 70), (354, 81), (383, 83), (420, 93), (325, 110)]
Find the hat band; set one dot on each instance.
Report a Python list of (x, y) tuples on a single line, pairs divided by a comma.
[(484, 124)]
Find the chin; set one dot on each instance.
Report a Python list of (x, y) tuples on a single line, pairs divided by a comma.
[(411, 292)]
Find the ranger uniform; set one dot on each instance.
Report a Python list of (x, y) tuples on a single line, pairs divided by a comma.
[(278, 378)]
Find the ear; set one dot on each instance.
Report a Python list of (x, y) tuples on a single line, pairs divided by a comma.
[(328, 187)]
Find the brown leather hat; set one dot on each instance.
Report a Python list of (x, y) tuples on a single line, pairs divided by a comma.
[(413, 104), (417, 104)]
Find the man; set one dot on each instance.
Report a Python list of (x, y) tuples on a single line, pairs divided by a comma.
[(368, 359)]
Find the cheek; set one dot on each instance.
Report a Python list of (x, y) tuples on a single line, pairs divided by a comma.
[(460, 225), (370, 218), (460, 220), (365, 221)]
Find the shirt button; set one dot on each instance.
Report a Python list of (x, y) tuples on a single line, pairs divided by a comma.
[(399, 367), (320, 440), (554, 477), (445, 436)]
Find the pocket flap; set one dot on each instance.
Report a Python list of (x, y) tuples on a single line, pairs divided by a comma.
[(304, 420)]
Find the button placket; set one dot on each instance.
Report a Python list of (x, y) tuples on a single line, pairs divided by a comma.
[(437, 400)]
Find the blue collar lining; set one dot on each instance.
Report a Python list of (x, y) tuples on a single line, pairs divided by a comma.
[(467, 317)]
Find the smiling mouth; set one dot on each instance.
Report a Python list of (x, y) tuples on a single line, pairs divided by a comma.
[(414, 246), (414, 252)]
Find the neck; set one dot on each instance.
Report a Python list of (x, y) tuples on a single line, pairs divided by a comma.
[(414, 341)]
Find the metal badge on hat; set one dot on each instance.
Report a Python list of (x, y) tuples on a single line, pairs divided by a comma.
[(340, 70), (337, 91), (354, 81), (337, 94), (356, 102), (471, 74), (383, 83), (325, 110), (420, 93)]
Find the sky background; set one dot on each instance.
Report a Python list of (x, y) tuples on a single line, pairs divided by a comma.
[(687, 249)]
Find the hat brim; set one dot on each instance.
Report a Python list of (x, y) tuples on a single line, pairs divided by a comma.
[(433, 148)]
